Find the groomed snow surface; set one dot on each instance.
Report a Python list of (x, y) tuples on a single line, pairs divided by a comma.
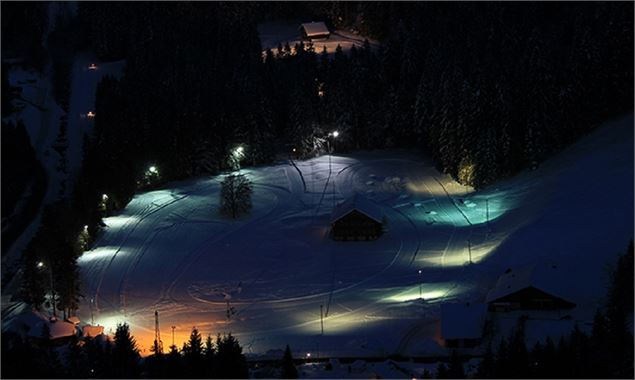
[(265, 277)]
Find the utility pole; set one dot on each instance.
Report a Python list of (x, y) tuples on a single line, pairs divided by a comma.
[(469, 250), (158, 344), (41, 265), (322, 319), (92, 317)]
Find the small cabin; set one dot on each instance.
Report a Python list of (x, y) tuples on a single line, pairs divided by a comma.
[(314, 31), (462, 324), (357, 218), (536, 287)]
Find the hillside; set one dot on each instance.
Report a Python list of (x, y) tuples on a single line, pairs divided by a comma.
[(265, 276)]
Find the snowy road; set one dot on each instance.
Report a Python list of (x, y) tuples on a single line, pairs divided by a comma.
[(266, 277)]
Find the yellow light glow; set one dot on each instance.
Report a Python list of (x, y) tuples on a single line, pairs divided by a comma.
[(461, 256), (433, 187), (430, 292)]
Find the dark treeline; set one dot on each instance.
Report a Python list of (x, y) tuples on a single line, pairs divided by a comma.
[(118, 358), (23, 26), (486, 89)]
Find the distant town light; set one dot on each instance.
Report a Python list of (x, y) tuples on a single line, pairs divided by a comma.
[(104, 197), (308, 354), (239, 150), (40, 265), (335, 133), (90, 114), (85, 227), (92, 66), (153, 169)]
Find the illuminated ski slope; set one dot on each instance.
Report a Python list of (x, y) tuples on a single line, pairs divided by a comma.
[(273, 271)]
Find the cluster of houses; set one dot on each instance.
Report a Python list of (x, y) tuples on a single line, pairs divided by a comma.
[(36, 326)]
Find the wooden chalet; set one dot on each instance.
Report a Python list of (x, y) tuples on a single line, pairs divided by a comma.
[(357, 218), (536, 287), (314, 31)]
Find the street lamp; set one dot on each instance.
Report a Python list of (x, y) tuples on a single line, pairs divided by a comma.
[(420, 284), (40, 265), (333, 134)]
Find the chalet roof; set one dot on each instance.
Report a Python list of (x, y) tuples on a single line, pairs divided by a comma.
[(92, 331), (57, 329), (462, 320), (315, 29), (545, 277), (360, 203)]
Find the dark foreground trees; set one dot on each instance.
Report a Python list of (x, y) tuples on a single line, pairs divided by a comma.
[(119, 358), (288, 370)]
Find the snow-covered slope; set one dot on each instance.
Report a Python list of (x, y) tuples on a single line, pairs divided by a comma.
[(268, 277)]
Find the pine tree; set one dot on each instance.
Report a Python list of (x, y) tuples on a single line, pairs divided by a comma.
[(232, 364), (125, 354), (455, 370), (76, 363), (486, 366), (173, 363), (442, 371), (209, 352), (235, 195), (288, 370)]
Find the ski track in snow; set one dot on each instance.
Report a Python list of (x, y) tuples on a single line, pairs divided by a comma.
[(287, 266)]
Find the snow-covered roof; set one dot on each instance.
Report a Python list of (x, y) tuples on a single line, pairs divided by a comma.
[(23, 318), (462, 320), (57, 329), (360, 203), (546, 277), (315, 29), (92, 331), (74, 320)]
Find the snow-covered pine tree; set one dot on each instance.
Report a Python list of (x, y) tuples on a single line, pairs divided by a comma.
[(235, 195)]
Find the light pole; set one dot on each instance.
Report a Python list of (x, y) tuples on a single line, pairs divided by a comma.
[(333, 134), (92, 317), (420, 284), (41, 265), (322, 319)]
